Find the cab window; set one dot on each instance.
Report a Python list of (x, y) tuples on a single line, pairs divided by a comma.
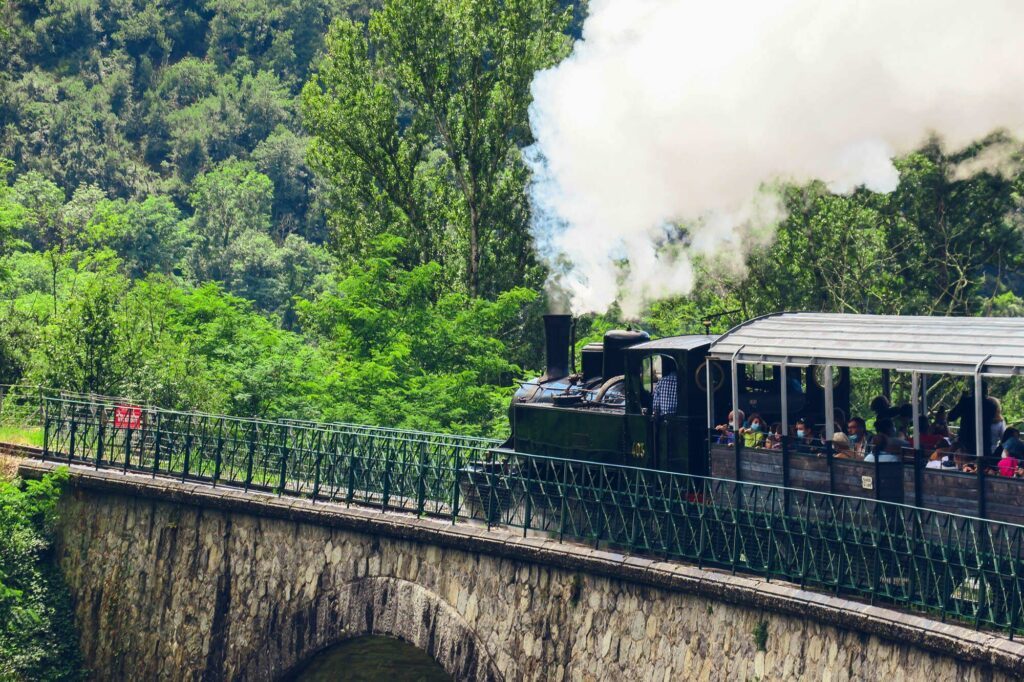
[(653, 369)]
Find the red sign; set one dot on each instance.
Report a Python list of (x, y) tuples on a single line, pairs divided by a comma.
[(126, 417)]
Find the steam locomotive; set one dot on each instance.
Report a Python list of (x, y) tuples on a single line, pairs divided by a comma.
[(603, 413)]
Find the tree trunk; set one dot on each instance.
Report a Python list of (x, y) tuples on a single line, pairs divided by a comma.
[(473, 269)]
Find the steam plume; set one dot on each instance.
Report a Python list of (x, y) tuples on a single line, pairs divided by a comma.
[(683, 112)]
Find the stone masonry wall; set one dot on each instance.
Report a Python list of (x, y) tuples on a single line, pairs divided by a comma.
[(182, 582)]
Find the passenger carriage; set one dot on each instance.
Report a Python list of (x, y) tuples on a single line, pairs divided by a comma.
[(825, 347)]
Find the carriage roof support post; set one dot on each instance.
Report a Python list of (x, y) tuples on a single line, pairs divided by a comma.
[(915, 401), (736, 411), (829, 409), (979, 435), (736, 394), (979, 438), (785, 403), (924, 394)]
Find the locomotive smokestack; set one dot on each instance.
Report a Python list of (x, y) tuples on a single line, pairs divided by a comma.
[(557, 329)]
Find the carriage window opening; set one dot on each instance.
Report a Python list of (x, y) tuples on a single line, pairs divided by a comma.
[(759, 372), (819, 376), (760, 378)]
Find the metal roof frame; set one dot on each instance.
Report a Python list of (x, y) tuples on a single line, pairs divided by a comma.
[(931, 345)]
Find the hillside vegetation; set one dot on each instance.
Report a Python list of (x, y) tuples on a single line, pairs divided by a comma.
[(319, 209)]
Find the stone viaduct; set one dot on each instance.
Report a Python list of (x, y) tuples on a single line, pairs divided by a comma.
[(182, 581)]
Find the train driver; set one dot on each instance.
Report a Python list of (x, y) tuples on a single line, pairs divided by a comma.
[(666, 394)]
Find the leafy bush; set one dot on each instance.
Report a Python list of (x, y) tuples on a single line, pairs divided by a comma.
[(37, 636)]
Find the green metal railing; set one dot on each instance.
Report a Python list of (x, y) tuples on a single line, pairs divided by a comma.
[(948, 566)]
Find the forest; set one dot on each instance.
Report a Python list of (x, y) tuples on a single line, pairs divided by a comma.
[(320, 210)]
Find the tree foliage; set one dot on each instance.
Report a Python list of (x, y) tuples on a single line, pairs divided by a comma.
[(417, 121), (37, 639)]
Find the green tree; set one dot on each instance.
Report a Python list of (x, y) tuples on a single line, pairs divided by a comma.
[(82, 349), (229, 200), (42, 200), (12, 214), (417, 121), (282, 158), (406, 352)]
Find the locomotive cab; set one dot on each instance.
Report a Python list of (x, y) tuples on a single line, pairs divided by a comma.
[(673, 439)]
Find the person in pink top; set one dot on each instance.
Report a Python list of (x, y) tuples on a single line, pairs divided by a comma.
[(1013, 451)]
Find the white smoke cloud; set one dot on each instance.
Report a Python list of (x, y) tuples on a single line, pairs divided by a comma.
[(679, 111)]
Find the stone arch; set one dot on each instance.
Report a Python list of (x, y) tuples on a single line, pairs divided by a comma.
[(407, 611)]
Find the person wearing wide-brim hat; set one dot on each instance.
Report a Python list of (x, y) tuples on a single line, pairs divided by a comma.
[(842, 448)]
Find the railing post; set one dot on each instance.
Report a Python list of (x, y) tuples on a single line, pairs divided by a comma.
[(564, 501), (99, 438), (421, 479), (156, 446), (46, 428), (284, 460), (74, 429), (634, 496), (253, 432), (316, 471), (390, 452), (351, 474), (455, 484), (127, 446), (219, 453), (188, 449), (528, 503)]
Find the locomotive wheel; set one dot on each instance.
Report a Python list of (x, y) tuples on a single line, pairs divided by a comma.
[(606, 386)]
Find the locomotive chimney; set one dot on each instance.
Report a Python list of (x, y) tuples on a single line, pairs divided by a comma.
[(557, 329)]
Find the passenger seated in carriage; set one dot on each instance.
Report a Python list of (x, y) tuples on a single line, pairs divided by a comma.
[(894, 439), (726, 435), (805, 440), (774, 439), (857, 431), (842, 448), (1008, 437), (930, 436), (1010, 462), (754, 435)]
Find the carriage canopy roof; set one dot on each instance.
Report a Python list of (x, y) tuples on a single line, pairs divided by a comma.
[(937, 345)]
